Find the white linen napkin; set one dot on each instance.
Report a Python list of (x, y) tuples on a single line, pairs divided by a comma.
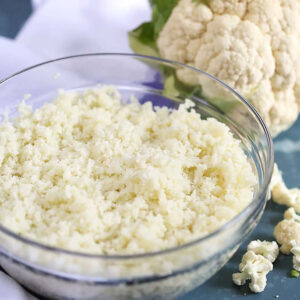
[(10, 290), (14, 57), (61, 28)]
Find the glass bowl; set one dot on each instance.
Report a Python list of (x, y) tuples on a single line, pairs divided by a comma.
[(62, 274)]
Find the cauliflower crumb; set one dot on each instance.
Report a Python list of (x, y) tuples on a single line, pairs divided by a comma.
[(57, 75), (256, 264), (91, 173), (26, 97), (288, 230), (296, 258)]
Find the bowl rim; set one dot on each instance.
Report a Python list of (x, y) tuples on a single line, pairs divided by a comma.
[(251, 206)]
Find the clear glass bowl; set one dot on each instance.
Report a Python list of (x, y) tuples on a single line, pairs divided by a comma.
[(61, 274)]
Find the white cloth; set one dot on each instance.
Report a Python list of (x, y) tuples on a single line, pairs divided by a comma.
[(60, 28), (10, 290), (14, 57)]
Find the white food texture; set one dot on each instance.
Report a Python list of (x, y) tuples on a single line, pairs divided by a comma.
[(91, 173)]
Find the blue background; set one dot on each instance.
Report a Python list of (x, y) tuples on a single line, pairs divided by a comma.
[(13, 14)]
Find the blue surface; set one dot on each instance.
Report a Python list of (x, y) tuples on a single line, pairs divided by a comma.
[(13, 13)]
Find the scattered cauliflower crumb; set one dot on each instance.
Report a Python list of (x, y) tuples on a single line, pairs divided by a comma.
[(296, 258), (269, 250), (56, 75), (281, 194), (91, 173), (288, 230), (26, 97)]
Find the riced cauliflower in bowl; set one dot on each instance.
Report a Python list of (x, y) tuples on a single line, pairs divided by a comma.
[(112, 190)]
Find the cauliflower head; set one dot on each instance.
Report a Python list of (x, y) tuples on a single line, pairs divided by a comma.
[(252, 45), (288, 230), (254, 267)]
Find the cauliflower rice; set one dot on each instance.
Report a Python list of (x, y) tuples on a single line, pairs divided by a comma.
[(91, 173)]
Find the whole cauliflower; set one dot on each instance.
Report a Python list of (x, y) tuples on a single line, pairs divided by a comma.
[(256, 264), (288, 230), (252, 45)]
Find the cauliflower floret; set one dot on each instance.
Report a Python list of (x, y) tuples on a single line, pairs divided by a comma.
[(290, 22), (263, 100), (269, 250), (254, 267), (256, 264), (252, 45), (188, 24), (296, 258), (288, 230), (267, 14), (236, 52), (229, 7), (281, 194), (285, 111), (290, 214), (290, 197), (278, 108), (276, 178)]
